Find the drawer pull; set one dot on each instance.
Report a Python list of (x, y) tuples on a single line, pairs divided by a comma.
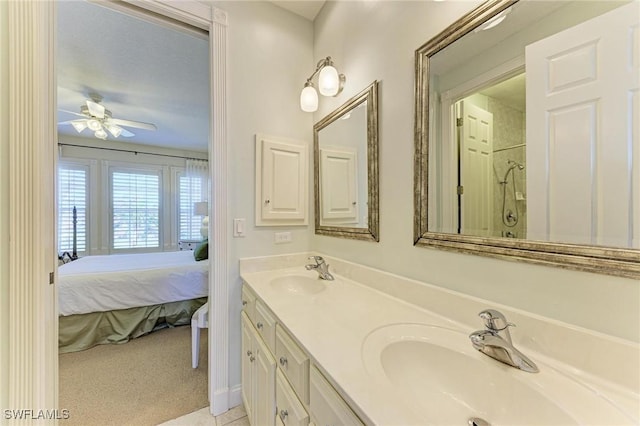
[(252, 358), (283, 361), (249, 353), (259, 325), (244, 303), (283, 414)]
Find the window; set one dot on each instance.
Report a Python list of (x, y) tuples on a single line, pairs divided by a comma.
[(72, 192), (135, 209), (190, 190)]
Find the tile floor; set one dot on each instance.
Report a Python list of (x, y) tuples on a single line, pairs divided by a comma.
[(235, 417)]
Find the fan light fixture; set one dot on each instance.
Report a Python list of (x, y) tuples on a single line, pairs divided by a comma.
[(99, 120), (330, 83)]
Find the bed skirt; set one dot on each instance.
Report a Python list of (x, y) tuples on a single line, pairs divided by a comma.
[(84, 331)]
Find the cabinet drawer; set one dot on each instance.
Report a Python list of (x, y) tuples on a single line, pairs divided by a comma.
[(326, 406), (293, 362), (266, 325), (289, 409), (249, 303)]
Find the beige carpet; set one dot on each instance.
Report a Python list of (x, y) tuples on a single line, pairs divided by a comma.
[(146, 381)]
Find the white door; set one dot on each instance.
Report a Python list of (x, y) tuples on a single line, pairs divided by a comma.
[(476, 170), (583, 112), (338, 189)]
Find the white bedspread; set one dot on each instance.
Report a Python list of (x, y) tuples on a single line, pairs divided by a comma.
[(106, 283)]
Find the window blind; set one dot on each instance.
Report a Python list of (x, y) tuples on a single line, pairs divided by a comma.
[(72, 191), (135, 200)]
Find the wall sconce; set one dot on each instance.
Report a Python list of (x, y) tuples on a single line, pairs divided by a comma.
[(330, 83)]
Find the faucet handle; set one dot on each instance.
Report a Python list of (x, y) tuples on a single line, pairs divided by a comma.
[(494, 320), (318, 259)]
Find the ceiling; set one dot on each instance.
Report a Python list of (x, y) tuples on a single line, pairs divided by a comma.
[(308, 9), (144, 72)]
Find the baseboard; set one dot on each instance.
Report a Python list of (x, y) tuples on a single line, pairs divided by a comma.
[(235, 396), (226, 400)]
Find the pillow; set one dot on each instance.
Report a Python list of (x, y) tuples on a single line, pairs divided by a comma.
[(202, 251)]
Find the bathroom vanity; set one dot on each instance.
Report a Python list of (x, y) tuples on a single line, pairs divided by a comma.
[(375, 348)]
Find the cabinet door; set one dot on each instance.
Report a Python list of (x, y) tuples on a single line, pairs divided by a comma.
[(281, 182), (264, 381), (248, 357)]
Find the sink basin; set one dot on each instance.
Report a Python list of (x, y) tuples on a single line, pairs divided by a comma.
[(444, 380), (299, 284)]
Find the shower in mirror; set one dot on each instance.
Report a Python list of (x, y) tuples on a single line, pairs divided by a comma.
[(490, 124), (510, 213)]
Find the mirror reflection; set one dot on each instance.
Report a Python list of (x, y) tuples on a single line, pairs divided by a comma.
[(528, 133), (521, 105), (346, 169)]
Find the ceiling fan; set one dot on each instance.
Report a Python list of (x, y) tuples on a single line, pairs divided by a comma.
[(99, 120)]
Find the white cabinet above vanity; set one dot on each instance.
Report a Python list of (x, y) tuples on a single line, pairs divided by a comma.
[(282, 181), (348, 352)]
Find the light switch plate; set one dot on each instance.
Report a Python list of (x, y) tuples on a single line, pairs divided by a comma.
[(239, 227)]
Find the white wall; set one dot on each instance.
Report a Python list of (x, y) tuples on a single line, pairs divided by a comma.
[(4, 206), (270, 58), (371, 40)]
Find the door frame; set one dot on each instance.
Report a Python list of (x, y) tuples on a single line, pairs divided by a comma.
[(33, 325), (447, 187)]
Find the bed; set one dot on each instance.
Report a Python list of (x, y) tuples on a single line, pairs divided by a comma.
[(111, 299)]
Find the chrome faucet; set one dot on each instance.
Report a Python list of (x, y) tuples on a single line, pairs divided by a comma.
[(495, 341), (320, 267)]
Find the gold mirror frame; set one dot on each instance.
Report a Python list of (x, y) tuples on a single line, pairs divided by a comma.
[(371, 232), (621, 262)]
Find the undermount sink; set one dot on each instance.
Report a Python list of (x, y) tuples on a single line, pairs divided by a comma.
[(444, 380), (299, 284)]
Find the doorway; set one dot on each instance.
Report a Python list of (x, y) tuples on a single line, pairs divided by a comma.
[(32, 102)]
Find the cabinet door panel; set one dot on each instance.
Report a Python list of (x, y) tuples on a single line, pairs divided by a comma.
[(247, 366), (265, 376)]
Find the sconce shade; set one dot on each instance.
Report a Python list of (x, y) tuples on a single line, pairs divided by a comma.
[(309, 99), (329, 81)]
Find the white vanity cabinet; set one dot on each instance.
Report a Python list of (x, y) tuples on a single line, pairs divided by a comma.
[(279, 384)]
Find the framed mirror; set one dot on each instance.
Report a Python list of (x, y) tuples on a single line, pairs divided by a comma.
[(527, 135), (346, 169)]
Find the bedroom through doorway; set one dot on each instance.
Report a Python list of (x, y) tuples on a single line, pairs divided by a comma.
[(132, 213)]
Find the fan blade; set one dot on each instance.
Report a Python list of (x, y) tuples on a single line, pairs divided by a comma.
[(126, 133), (95, 109), (136, 124), (74, 113)]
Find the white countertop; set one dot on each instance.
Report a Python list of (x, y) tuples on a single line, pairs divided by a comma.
[(332, 326)]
